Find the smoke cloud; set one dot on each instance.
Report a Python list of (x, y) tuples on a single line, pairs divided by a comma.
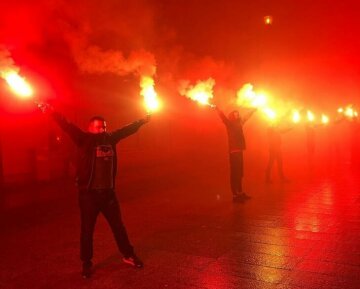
[(93, 59), (6, 62), (301, 52)]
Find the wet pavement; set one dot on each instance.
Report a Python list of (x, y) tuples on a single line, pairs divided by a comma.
[(301, 234)]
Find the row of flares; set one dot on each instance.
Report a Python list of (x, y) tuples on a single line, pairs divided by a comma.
[(202, 92), (273, 110)]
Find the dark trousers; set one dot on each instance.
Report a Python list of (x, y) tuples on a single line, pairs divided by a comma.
[(236, 172), (91, 204)]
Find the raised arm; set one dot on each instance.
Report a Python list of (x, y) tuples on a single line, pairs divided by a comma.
[(75, 133), (224, 119), (248, 115), (129, 129)]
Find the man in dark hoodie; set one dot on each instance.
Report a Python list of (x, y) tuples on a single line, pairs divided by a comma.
[(236, 139), (96, 171)]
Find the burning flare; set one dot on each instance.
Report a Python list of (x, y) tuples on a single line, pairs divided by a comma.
[(151, 100), (310, 116), (246, 96), (296, 117), (18, 84), (10, 73), (349, 112), (202, 92), (325, 119), (270, 113)]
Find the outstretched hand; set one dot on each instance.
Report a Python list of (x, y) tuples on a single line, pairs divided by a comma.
[(147, 118), (45, 107), (255, 109)]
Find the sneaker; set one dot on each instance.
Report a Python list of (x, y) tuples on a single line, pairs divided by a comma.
[(245, 196), (133, 261), (86, 272), (238, 198)]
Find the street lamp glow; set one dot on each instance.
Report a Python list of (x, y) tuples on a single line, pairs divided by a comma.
[(268, 20)]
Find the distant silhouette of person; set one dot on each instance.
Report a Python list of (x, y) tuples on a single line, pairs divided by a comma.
[(310, 143), (236, 141), (96, 171), (355, 142), (310, 132), (275, 151), (335, 138)]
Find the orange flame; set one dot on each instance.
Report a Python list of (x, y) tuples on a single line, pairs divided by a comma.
[(202, 92), (270, 113), (310, 116), (349, 112), (151, 100), (246, 96), (296, 117), (325, 119), (18, 84)]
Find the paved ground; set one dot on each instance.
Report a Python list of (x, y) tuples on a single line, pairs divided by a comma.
[(302, 234)]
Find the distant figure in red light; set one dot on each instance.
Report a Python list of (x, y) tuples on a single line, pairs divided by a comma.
[(275, 151), (310, 129), (96, 171), (355, 142), (236, 139)]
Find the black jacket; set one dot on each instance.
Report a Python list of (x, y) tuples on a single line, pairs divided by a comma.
[(87, 142), (236, 138)]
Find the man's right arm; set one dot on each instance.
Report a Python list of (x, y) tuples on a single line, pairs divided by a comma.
[(75, 133)]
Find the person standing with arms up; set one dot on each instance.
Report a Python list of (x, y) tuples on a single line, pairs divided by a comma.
[(234, 126), (96, 172), (275, 151)]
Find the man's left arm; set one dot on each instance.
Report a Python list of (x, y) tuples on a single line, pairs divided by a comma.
[(246, 117), (129, 129)]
